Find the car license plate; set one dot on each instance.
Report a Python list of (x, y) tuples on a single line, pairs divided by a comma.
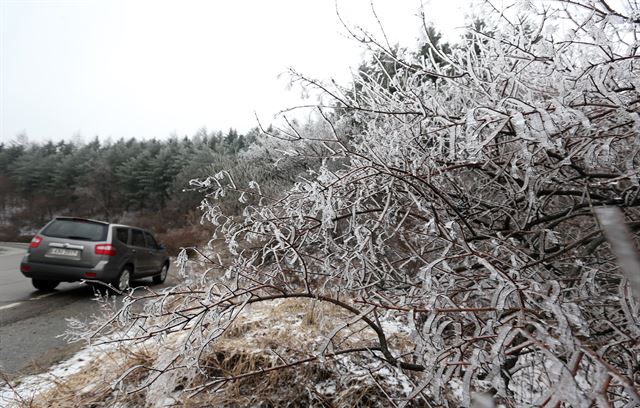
[(72, 253)]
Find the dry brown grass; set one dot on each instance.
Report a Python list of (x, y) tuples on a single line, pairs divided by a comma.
[(264, 336), (91, 386), (177, 238)]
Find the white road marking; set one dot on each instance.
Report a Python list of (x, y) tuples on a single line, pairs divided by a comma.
[(10, 305), (43, 296)]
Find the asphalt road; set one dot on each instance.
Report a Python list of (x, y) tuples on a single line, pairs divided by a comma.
[(32, 322)]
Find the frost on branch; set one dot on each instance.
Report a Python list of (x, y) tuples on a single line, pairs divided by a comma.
[(455, 199)]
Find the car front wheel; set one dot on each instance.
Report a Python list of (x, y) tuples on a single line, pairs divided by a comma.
[(44, 284)]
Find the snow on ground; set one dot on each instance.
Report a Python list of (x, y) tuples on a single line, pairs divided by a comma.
[(28, 387)]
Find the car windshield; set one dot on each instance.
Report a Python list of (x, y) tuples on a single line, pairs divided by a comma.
[(76, 229)]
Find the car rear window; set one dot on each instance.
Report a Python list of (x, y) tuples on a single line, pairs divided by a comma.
[(76, 229)]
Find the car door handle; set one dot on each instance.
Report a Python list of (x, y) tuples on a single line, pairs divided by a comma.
[(133, 251)]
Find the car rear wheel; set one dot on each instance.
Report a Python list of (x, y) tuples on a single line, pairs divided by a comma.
[(162, 276), (124, 280), (44, 284)]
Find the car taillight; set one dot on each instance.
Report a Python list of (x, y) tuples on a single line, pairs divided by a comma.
[(35, 241), (105, 249), (25, 268)]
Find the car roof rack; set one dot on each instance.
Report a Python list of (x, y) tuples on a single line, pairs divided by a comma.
[(64, 217)]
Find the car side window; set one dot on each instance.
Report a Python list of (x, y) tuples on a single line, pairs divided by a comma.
[(137, 239), (151, 242), (123, 235)]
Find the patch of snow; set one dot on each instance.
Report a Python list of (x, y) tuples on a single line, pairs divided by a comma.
[(32, 385), (28, 230), (457, 389), (326, 388)]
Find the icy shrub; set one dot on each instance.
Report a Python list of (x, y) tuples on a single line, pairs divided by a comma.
[(455, 200)]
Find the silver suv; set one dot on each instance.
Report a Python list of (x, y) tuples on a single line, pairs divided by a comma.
[(70, 249)]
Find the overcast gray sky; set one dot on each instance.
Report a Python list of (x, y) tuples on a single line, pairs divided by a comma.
[(146, 69)]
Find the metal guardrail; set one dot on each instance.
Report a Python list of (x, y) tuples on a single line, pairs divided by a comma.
[(19, 245), (13, 248)]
